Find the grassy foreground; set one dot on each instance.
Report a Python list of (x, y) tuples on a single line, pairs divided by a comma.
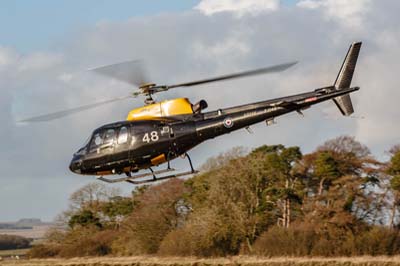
[(13, 252), (191, 261)]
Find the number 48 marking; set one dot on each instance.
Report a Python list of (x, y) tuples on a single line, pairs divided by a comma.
[(152, 137)]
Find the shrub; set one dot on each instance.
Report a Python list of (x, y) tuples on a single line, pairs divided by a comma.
[(44, 251), (95, 244), (278, 241), (14, 242), (378, 241)]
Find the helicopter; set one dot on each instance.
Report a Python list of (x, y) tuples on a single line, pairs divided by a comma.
[(159, 132)]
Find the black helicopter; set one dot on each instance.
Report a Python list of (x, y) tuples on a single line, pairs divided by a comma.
[(162, 131)]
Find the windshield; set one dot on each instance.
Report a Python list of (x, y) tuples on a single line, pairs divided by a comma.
[(107, 138), (86, 142), (84, 146)]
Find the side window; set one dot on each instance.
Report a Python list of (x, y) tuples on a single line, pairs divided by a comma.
[(123, 135), (96, 141), (109, 136)]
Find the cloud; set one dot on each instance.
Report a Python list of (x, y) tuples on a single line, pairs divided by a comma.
[(39, 61), (7, 57), (239, 7), (348, 13)]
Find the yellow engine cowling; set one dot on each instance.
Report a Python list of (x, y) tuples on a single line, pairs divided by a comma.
[(166, 108)]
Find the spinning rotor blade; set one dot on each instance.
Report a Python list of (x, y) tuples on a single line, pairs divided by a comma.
[(52, 116), (271, 69), (131, 72)]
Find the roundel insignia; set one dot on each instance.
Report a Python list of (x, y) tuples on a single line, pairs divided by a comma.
[(228, 122)]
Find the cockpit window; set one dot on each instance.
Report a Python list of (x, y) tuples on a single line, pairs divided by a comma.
[(122, 135), (97, 140), (109, 136)]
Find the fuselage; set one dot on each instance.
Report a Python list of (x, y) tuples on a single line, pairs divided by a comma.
[(152, 136)]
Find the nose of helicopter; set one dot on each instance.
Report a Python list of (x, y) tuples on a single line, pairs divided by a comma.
[(76, 164)]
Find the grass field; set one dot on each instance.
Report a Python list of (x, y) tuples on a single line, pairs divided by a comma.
[(13, 252), (232, 261)]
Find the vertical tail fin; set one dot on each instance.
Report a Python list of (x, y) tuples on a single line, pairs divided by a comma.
[(344, 78)]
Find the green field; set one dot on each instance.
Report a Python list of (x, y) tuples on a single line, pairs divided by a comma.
[(232, 261)]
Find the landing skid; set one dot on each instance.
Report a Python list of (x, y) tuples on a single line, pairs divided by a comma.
[(122, 179), (138, 182), (131, 179)]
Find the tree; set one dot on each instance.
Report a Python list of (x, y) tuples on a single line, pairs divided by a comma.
[(233, 204), (223, 159), (227, 210), (394, 171), (84, 218), (326, 170), (345, 145), (342, 179), (117, 208), (154, 216), (272, 201), (284, 184), (91, 195)]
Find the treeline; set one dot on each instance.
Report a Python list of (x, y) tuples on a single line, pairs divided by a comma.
[(274, 201), (8, 242)]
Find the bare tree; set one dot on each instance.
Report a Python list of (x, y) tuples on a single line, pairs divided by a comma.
[(90, 195)]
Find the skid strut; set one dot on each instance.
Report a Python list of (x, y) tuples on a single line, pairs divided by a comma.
[(190, 162), (154, 175)]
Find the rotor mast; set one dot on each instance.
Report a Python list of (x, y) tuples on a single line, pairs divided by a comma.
[(147, 91)]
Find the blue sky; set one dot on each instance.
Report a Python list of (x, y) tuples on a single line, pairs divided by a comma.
[(32, 25)]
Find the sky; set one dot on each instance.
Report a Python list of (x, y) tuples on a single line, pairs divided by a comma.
[(46, 47)]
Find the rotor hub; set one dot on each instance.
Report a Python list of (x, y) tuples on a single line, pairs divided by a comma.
[(147, 86)]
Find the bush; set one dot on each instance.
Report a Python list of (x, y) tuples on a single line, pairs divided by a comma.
[(278, 241), (192, 240), (89, 241), (178, 243), (44, 251), (300, 241), (14, 242), (88, 244), (206, 234), (378, 241)]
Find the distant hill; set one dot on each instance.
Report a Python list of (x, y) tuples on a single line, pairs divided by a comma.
[(24, 223)]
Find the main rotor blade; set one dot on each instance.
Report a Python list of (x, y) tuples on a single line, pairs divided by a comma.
[(271, 69), (131, 72), (52, 116)]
